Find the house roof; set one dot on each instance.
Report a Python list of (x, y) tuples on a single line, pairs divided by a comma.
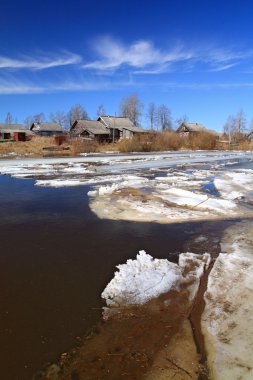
[(93, 126), (11, 128), (119, 123), (54, 127), (192, 127), (196, 127)]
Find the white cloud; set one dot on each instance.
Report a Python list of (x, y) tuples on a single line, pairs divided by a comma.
[(145, 58), (12, 86), (113, 54), (223, 67), (41, 62)]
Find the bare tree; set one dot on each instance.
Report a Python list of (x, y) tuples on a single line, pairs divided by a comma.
[(38, 118), (251, 126), (131, 107), (9, 118), (151, 112), (240, 122), (59, 117), (28, 121), (235, 126), (100, 110), (163, 118), (77, 112), (181, 120)]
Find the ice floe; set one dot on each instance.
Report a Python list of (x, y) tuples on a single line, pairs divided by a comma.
[(144, 278), (165, 196), (234, 185)]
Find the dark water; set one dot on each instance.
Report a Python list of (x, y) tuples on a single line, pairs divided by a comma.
[(56, 257)]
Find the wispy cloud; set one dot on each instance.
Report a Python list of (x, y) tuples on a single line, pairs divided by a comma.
[(130, 64), (40, 62), (141, 54), (145, 58), (19, 87), (223, 67), (16, 87)]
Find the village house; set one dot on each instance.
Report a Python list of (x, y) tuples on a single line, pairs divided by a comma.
[(90, 129), (46, 129), (105, 128), (120, 127), (187, 129), (16, 132)]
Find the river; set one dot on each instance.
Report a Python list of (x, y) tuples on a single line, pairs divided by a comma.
[(56, 257)]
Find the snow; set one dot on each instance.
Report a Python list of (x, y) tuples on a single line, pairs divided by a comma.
[(144, 278), (59, 182), (227, 321), (234, 185)]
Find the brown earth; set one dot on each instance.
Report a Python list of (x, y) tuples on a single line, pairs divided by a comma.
[(152, 342)]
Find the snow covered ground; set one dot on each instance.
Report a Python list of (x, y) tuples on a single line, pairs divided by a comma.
[(227, 321)]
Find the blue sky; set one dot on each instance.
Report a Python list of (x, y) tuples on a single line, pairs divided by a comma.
[(194, 56)]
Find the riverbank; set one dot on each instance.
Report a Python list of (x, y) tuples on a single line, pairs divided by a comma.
[(162, 339)]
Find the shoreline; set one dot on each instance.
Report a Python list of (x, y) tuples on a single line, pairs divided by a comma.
[(163, 353), (171, 342)]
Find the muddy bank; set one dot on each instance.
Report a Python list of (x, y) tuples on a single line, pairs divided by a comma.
[(151, 340), (136, 344), (159, 340)]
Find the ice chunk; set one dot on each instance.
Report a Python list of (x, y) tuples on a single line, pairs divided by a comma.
[(144, 278)]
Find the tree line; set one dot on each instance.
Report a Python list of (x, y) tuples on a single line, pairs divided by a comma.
[(158, 117)]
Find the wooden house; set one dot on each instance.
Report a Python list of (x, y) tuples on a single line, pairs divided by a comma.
[(46, 129), (90, 129), (15, 132), (120, 127), (187, 129)]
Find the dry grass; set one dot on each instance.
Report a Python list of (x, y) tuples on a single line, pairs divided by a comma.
[(168, 141), (135, 144), (153, 142), (202, 140), (245, 145), (83, 146), (34, 146)]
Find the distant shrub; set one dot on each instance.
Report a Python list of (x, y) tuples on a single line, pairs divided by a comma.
[(134, 144), (158, 141), (83, 146), (200, 140), (166, 141)]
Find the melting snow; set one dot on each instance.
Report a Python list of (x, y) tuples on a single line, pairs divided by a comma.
[(227, 321), (173, 196), (144, 278)]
